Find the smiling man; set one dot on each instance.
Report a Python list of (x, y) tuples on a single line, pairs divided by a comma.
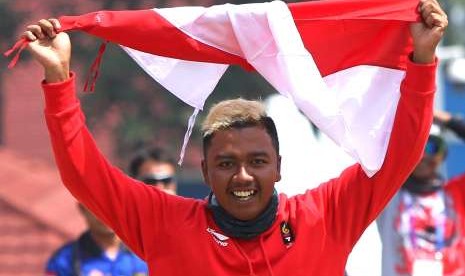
[(241, 165), (244, 227)]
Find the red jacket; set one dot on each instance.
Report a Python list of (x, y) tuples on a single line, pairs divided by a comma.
[(177, 236)]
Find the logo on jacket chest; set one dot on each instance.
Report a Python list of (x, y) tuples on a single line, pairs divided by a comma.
[(220, 239)]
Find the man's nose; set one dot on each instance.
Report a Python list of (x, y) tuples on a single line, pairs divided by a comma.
[(243, 175)]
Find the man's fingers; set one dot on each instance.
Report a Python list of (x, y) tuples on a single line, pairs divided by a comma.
[(47, 27), (428, 7), (439, 31), (439, 20), (56, 24), (431, 7), (429, 20), (29, 36), (43, 28), (432, 14), (436, 20), (36, 30)]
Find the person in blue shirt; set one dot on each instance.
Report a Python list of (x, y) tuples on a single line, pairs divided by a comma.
[(98, 251)]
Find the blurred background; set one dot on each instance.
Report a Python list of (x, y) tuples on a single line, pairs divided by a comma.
[(128, 111)]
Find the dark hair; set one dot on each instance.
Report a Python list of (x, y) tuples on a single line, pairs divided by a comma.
[(266, 122), (152, 154)]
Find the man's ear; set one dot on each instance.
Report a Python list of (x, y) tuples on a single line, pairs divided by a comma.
[(279, 168), (205, 171)]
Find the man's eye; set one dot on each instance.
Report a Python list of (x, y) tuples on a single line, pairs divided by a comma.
[(258, 161), (225, 164)]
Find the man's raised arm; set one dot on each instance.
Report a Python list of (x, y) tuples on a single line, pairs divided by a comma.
[(355, 200), (122, 203)]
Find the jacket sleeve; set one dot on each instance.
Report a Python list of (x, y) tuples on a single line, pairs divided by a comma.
[(352, 201), (132, 209)]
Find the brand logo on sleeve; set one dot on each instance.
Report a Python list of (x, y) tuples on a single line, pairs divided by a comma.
[(218, 238)]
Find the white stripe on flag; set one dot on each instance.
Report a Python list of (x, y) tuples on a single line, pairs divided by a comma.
[(190, 81), (367, 98)]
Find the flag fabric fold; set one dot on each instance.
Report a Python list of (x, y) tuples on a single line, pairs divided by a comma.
[(340, 61)]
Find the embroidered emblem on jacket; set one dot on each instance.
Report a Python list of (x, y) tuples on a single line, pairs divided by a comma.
[(286, 234)]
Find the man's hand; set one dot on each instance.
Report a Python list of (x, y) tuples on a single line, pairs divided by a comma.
[(50, 48), (427, 34)]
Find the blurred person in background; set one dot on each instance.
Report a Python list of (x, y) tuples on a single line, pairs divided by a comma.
[(97, 252), (155, 167), (422, 228)]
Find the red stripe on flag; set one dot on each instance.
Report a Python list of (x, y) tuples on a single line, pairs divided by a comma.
[(341, 44), (401, 10), (146, 31), (344, 33), (338, 33)]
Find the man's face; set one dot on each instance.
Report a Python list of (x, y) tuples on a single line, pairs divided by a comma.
[(428, 167), (241, 167), (433, 157), (159, 174)]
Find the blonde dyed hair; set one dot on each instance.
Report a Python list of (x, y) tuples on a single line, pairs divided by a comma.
[(227, 113), (237, 113)]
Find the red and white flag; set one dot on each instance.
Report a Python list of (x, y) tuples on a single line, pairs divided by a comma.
[(340, 61)]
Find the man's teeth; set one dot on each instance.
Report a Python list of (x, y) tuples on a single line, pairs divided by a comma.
[(244, 194)]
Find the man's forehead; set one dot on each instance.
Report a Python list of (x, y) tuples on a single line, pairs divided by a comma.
[(241, 134), (256, 138)]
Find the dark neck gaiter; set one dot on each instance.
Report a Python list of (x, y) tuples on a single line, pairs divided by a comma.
[(239, 228)]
